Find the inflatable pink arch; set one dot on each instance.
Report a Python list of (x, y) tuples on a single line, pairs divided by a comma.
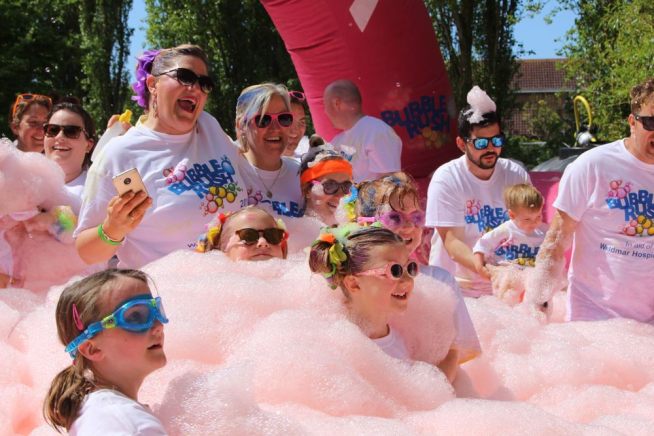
[(389, 49)]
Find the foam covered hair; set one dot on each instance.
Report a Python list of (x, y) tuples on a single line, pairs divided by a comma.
[(480, 104)]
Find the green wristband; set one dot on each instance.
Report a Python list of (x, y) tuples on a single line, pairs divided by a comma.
[(106, 238)]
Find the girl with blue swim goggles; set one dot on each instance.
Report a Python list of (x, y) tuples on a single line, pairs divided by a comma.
[(137, 315)]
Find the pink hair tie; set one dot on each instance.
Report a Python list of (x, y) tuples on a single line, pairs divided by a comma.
[(77, 319)]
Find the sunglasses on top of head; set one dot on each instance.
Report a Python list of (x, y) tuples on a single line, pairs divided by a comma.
[(187, 77), (26, 98), (272, 235), (71, 132), (483, 143), (297, 95), (647, 121), (285, 119)]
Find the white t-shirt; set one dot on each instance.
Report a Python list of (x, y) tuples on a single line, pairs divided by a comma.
[(108, 412), (377, 148), (393, 345), (508, 243), (457, 198), (283, 185), (189, 178), (609, 192), (302, 148), (75, 189), (466, 341)]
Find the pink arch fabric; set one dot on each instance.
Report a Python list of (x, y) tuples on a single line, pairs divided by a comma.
[(389, 49)]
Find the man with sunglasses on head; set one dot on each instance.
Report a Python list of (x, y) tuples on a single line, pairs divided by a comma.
[(464, 199), (605, 205), (375, 147)]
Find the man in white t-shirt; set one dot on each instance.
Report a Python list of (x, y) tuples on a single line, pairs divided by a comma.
[(375, 147), (464, 199), (605, 203)]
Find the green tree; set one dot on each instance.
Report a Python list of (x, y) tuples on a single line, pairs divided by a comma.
[(240, 39), (477, 43), (105, 38), (40, 45), (610, 50)]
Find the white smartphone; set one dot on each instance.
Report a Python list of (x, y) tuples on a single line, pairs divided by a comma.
[(129, 180)]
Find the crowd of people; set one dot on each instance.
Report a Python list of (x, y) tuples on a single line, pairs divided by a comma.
[(242, 194)]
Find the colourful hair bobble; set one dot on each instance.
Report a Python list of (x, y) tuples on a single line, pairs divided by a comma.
[(143, 68)]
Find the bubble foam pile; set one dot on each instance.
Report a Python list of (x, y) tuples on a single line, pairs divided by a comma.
[(266, 348)]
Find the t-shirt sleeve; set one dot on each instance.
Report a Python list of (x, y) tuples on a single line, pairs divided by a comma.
[(573, 196), (98, 190), (487, 243), (384, 151), (117, 420), (444, 205)]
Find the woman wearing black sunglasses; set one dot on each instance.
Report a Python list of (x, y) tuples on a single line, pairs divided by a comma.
[(185, 159), (263, 123), (325, 177), (69, 140)]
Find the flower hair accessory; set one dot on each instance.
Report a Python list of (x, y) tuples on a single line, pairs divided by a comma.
[(349, 203), (143, 68), (336, 254), (207, 241)]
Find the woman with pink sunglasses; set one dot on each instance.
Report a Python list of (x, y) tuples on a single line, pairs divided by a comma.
[(263, 124)]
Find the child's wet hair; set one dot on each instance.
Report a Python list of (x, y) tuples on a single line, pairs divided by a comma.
[(356, 247), (522, 196), (374, 194), (69, 388)]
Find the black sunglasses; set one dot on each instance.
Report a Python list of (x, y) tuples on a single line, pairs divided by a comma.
[(71, 132), (187, 77), (331, 187), (482, 143), (273, 235), (285, 119), (648, 122)]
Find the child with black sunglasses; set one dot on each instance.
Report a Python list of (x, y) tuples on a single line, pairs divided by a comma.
[(248, 234), (112, 327), (371, 266)]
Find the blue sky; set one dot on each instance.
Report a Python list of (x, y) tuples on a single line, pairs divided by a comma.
[(543, 39)]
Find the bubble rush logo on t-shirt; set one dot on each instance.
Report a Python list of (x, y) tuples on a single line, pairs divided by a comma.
[(486, 217), (254, 198), (522, 254), (638, 208), (212, 182)]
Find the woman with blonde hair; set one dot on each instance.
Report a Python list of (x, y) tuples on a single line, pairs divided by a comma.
[(263, 122)]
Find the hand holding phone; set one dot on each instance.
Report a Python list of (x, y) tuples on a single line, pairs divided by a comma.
[(129, 180)]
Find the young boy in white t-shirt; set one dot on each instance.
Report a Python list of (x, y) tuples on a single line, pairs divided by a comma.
[(518, 240)]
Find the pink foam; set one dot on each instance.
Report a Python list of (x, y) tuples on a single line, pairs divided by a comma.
[(266, 348)]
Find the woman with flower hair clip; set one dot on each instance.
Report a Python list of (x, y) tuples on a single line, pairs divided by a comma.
[(248, 234), (187, 162)]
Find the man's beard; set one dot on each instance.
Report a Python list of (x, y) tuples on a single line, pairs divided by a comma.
[(479, 163)]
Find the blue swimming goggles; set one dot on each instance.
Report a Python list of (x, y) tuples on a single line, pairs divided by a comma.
[(135, 316)]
